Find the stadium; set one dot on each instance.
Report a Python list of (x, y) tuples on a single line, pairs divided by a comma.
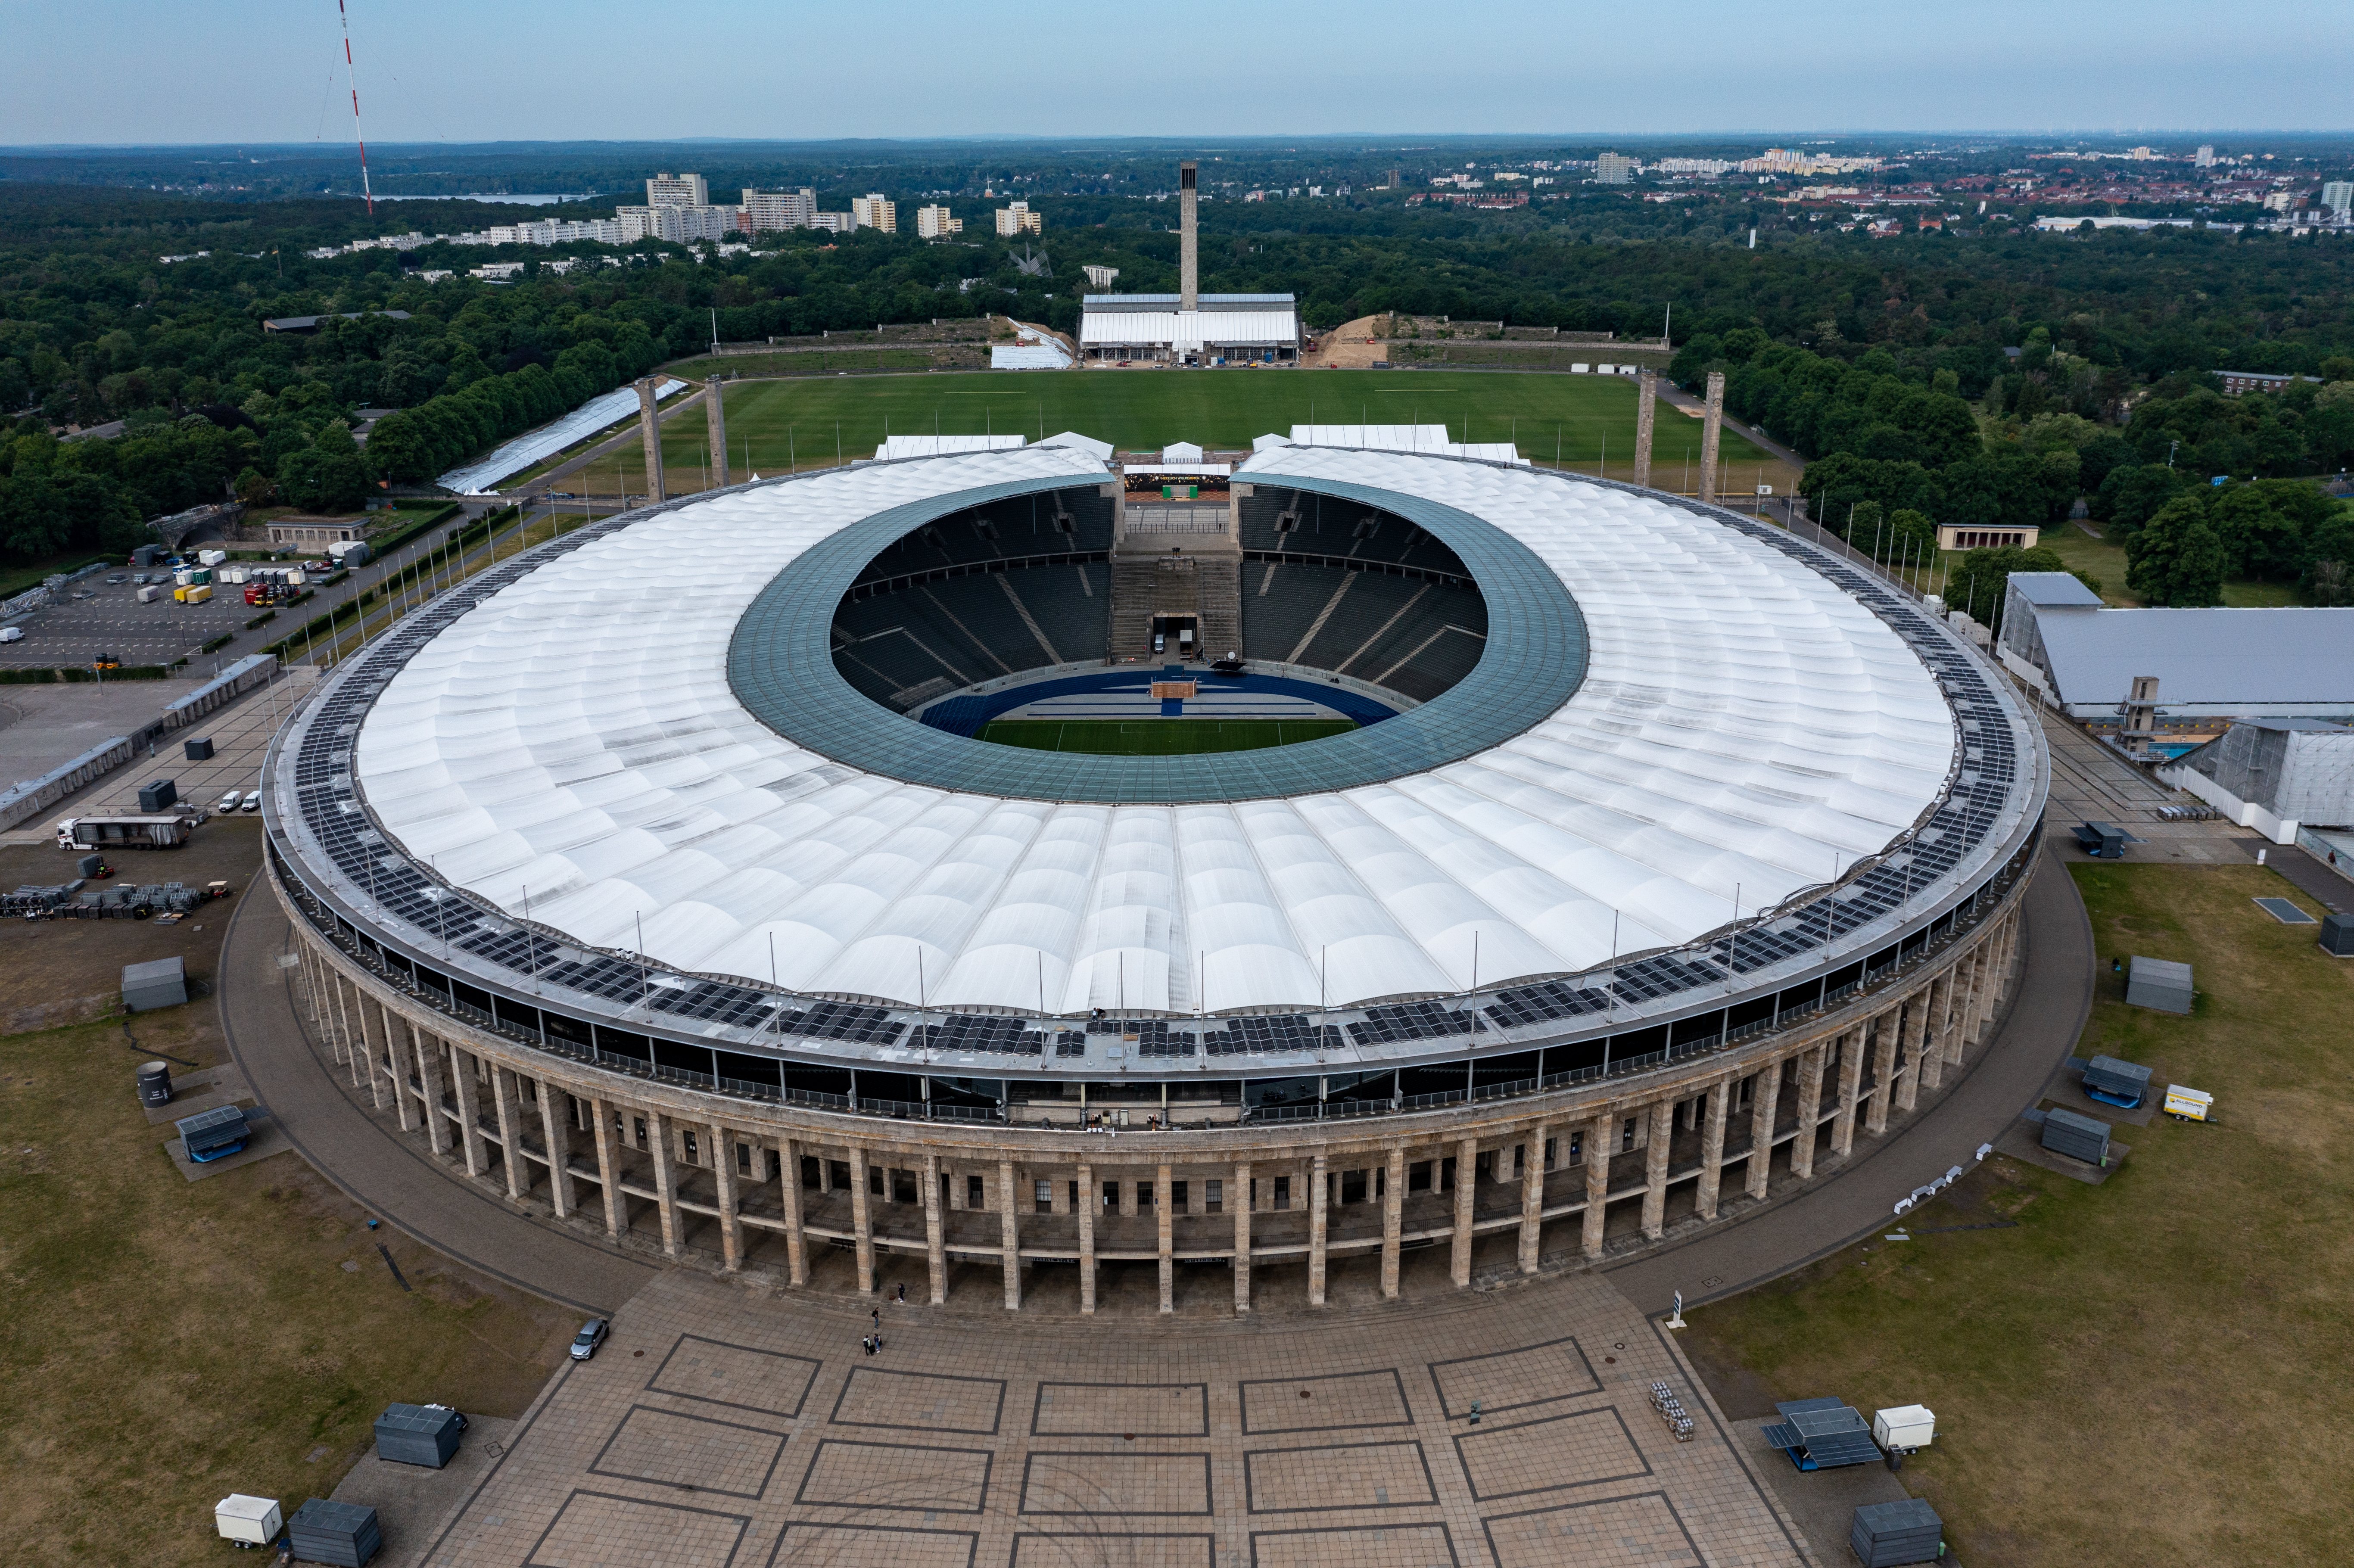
[(1033, 859)]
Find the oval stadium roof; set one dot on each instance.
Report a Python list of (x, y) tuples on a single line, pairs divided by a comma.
[(1744, 729)]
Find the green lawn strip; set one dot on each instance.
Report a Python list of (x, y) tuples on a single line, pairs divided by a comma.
[(1157, 737), (170, 1342), (794, 421), (2165, 1334)]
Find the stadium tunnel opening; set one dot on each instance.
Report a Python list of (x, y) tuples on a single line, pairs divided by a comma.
[(1207, 617)]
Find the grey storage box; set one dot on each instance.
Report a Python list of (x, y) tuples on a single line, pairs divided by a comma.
[(344, 1534), (419, 1434), (2122, 1084), (2101, 840), (2077, 1137), (88, 867), (157, 796), (197, 749), (1891, 1534), (162, 983), (210, 1134), (155, 1084), (2337, 936), (2158, 983)]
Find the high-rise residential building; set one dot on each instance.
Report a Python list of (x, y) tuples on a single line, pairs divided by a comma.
[(2206, 159), (765, 210), (934, 223), (832, 222), (677, 190), (872, 211), (1612, 169), (1018, 218), (679, 224), (2337, 196)]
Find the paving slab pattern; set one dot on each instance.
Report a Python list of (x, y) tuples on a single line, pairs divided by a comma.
[(925, 1462)]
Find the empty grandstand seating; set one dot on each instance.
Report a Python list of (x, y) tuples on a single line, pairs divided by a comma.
[(907, 646), (1003, 531)]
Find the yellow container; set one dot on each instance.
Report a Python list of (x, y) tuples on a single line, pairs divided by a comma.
[(197, 595), (179, 596)]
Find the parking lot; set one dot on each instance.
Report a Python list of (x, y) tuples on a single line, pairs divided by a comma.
[(73, 630)]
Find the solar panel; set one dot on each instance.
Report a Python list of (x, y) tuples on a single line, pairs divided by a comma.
[(2288, 913)]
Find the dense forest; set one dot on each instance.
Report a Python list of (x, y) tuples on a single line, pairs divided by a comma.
[(1936, 377)]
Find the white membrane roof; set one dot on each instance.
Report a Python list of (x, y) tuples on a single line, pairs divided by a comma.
[(571, 750)]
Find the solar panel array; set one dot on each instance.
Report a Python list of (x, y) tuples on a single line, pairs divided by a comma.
[(971, 1032)]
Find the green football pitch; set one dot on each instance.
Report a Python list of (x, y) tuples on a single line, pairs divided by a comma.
[(1584, 422), (1157, 737)]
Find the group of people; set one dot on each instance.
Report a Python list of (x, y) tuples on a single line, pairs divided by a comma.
[(872, 1343)]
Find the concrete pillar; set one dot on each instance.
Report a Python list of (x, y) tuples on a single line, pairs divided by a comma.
[(1647, 402), (356, 1043), (1242, 1208), (1763, 1101), (1850, 1085), (1655, 1169), (1164, 1231), (658, 1132), (1320, 1222), (1937, 1036), (789, 1161), (1189, 296), (1089, 1201), (715, 419), (462, 1069), (861, 1222), (1712, 1147), (1712, 432), (723, 1173), (936, 1251), (1892, 1024), (427, 1050), (650, 431), (1393, 1222), (1466, 1189), (503, 1097), (600, 1121), (1810, 1094), (555, 1131), (1010, 1231), (1599, 1138), (1532, 1173)]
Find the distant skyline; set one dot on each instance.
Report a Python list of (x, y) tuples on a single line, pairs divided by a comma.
[(145, 71)]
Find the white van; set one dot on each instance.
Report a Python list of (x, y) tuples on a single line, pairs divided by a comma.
[(11, 634), (253, 801)]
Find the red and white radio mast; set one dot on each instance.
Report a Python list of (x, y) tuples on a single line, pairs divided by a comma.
[(352, 72)]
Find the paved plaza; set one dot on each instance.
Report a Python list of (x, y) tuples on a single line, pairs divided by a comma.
[(728, 1425)]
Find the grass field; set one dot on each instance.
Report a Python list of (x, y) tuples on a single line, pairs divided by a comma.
[(1158, 737), (1578, 421), (2135, 1373), (167, 1342)]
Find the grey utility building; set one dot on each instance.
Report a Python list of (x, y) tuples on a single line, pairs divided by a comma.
[(2084, 658), (2160, 983), (2275, 775), (423, 1435), (161, 983)]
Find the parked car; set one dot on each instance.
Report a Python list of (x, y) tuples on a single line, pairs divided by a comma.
[(591, 1335), (116, 580), (252, 801)]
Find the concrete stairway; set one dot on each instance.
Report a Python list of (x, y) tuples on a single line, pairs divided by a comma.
[(1220, 602), (1134, 581)]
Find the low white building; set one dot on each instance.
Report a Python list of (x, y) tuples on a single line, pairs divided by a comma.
[(1226, 329)]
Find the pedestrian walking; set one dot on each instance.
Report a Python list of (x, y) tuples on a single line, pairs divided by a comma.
[(878, 1318), (903, 1293)]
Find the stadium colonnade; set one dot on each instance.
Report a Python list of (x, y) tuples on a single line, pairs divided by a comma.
[(1577, 1109)]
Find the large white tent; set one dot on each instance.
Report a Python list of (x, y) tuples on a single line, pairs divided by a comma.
[(572, 749)]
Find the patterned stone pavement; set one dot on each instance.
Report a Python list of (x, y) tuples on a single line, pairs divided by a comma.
[(728, 1425)]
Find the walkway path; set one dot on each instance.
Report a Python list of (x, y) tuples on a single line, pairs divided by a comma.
[(375, 1166)]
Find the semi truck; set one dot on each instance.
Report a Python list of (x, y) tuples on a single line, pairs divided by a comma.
[(130, 830)]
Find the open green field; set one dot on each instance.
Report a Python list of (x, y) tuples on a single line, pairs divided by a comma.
[(2127, 1375), (167, 1342), (1158, 737), (1585, 422)]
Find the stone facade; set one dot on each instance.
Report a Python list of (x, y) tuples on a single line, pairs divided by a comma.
[(1645, 1153)]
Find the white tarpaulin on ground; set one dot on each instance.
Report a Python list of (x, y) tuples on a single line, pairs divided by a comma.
[(527, 449)]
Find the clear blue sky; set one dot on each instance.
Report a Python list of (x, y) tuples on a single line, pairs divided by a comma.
[(271, 70)]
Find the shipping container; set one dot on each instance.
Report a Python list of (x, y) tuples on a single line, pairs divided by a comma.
[(197, 595), (150, 595)]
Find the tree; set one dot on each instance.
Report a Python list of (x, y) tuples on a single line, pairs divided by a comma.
[(2129, 496), (1979, 581), (2177, 560)]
